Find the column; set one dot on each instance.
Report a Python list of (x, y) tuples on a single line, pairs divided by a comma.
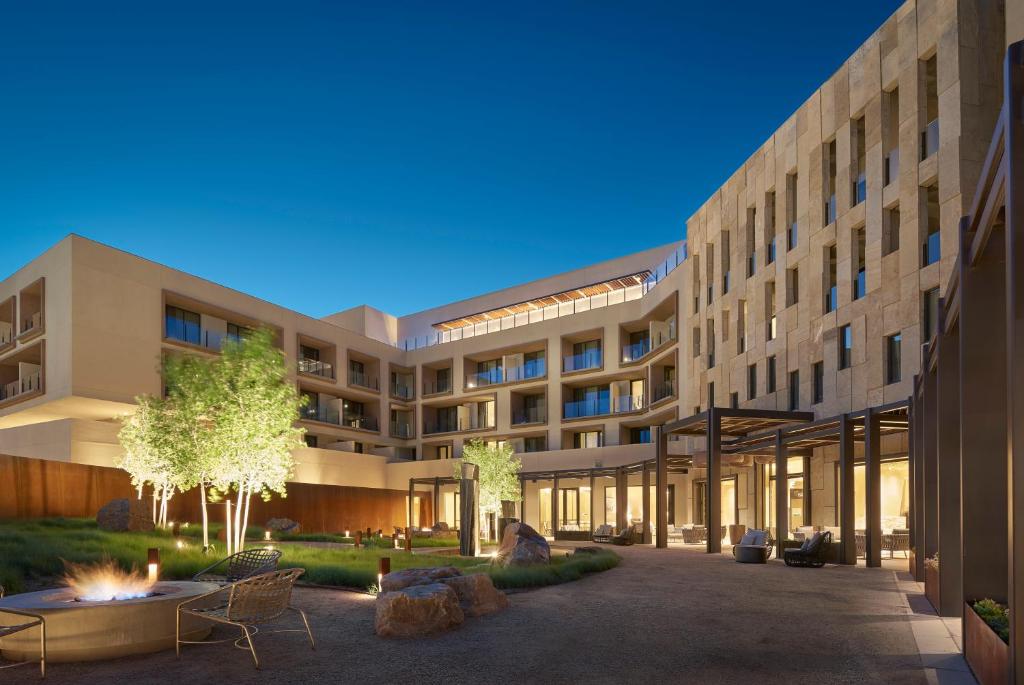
[(807, 509), (930, 463), (645, 481), (412, 489), (947, 422), (593, 510), (872, 489), (661, 488), (847, 497), (437, 500), (621, 500), (714, 483), (554, 507), (781, 494), (916, 485)]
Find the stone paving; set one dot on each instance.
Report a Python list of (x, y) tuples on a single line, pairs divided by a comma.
[(675, 615)]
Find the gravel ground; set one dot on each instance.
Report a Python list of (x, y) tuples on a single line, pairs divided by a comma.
[(661, 616)]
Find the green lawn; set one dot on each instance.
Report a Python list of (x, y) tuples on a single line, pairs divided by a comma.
[(31, 554)]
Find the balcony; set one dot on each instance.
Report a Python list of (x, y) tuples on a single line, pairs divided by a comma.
[(322, 413), (28, 383), (401, 390), (401, 429), (366, 423), (579, 409), (636, 351), (536, 368), (591, 359), (453, 425), (530, 415), (664, 390), (362, 379), (31, 323), (483, 379), (314, 367), (930, 139), (437, 387)]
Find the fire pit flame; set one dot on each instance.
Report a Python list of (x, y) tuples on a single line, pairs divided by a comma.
[(106, 581)]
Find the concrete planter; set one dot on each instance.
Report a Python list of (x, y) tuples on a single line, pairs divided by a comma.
[(931, 585), (986, 653)]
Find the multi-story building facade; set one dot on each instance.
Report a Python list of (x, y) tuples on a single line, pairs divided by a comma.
[(807, 282)]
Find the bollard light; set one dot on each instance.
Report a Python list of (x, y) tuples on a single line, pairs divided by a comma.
[(266, 535), (154, 564)]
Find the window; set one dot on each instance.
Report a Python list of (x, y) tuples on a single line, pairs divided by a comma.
[(845, 347), (931, 251), (182, 325), (752, 381), (741, 327), (890, 230), (726, 271), (711, 273), (931, 314), (831, 296), (769, 227), (238, 333), (891, 136), (794, 390), (893, 358), (696, 341), (734, 400), (791, 211), (711, 395), (585, 439), (769, 306), (444, 451), (310, 440), (770, 375), (930, 134), (819, 382), (859, 188), (792, 286), (860, 255), (640, 435), (711, 343), (829, 152), (535, 444), (310, 353), (585, 355), (751, 241)]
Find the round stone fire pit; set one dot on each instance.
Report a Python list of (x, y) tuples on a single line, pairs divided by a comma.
[(89, 631)]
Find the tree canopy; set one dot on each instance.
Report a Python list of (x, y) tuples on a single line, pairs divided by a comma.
[(498, 468)]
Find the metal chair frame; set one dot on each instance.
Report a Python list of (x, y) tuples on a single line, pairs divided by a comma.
[(241, 565), (250, 603), (36, 620)]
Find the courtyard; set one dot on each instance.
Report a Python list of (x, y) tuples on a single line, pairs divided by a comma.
[(661, 615)]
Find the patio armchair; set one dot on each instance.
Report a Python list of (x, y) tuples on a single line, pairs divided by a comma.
[(248, 604), (695, 535), (754, 548), (15, 621), (897, 541), (239, 566), (603, 533), (811, 554), (624, 537), (675, 534)]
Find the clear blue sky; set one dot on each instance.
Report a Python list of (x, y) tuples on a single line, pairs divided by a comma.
[(403, 155)]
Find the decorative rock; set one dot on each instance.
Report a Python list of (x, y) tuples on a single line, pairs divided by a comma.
[(283, 525), (477, 594), (125, 515), (523, 546), (440, 527), (417, 611), (397, 580)]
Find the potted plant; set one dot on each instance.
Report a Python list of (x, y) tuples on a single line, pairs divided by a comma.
[(931, 580), (986, 640)]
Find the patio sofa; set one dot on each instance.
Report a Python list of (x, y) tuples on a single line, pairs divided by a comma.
[(811, 554), (754, 548)]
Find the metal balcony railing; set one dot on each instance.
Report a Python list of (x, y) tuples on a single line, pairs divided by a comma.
[(363, 380), (314, 367), (29, 383), (432, 426), (358, 421), (663, 390), (401, 429), (321, 413), (401, 390), (531, 415), (437, 387)]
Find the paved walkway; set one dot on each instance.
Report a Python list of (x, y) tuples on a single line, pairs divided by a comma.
[(661, 616)]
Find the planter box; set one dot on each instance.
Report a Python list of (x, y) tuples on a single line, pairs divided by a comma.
[(986, 653), (931, 585), (912, 565)]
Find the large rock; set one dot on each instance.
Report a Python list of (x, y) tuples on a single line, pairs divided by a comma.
[(417, 610), (122, 515), (397, 580), (283, 525), (522, 546), (477, 594)]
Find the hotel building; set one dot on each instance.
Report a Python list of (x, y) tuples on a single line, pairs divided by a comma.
[(805, 289)]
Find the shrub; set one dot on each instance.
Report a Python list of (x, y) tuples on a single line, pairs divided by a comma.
[(996, 616)]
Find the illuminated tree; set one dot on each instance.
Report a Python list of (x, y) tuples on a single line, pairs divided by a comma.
[(147, 453), (498, 468)]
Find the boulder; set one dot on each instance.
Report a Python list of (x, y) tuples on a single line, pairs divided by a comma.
[(397, 580), (283, 525), (417, 611), (440, 527), (522, 546), (125, 515), (477, 594)]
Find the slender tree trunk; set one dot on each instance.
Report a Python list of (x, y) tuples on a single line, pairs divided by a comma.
[(206, 517), (229, 536), (155, 519), (239, 533), (245, 519)]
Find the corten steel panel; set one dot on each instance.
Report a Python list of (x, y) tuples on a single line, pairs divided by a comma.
[(931, 464), (872, 489), (713, 489), (947, 422), (37, 488)]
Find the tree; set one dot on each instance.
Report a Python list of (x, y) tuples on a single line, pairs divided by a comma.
[(147, 457), (253, 415), (498, 468)]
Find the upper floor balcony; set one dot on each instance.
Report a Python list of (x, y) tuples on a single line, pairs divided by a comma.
[(200, 329), (640, 343), (316, 358), (363, 371), (402, 384), (615, 397), (513, 367), (21, 374), (468, 416), (315, 367)]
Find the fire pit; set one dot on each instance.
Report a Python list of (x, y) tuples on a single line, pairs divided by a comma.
[(104, 613)]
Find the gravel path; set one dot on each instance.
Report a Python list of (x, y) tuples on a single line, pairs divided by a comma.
[(661, 616)]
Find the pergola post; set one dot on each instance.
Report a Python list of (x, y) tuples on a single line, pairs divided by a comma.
[(412, 490), (661, 488), (872, 489), (554, 507), (645, 480), (930, 460), (714, 482), (437, 500), (916, 484), (593, 511), (983, 420), (522, 499), (621, 500), (806, 509), (847, 498), (781, 494), (947, 422)]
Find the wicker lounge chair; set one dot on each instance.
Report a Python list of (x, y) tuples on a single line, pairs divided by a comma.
[(754, 548), (603, 533), (624, 537), (239, 566), (15, 621), (695, 535), (247, 604), (675, 534), (897, 541), (811, 553)]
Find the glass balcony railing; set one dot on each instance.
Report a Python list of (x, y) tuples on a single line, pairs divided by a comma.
[(663, 390), (531, 415), (26, 384), (482, 379), (322, 413), (860, 189), (452, 425), (363, 380), (314, 367), (891, 167), (437, 387), (830, 209), (583, 408), (931, 249), (930, 139), (535, 368), (628, 403), (401, 429), (831, 299), (637, 350), (401, 390), (859, 285), (358, 421), (591, 359)]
